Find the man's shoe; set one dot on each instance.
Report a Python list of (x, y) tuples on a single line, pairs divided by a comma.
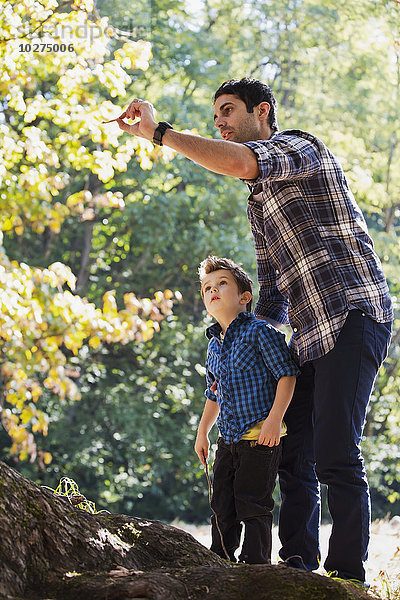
[(360, 584), (295, 561)]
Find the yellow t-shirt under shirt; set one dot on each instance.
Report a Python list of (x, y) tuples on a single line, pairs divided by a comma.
[(254, 432)]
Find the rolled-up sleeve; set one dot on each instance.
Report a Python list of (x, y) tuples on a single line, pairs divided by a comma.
[(276, 355), (293, 158)]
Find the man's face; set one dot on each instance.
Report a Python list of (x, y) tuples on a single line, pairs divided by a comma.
[(233, 120)]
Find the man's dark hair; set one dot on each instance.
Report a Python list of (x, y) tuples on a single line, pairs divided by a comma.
[(251, 92), (214, 263)]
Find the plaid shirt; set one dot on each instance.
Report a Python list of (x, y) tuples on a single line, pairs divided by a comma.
[(246, 365), (315, 259)]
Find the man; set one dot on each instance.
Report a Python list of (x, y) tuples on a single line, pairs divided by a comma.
[(317, 270)]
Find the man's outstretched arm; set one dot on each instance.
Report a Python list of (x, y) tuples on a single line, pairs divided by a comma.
[(219, 156)]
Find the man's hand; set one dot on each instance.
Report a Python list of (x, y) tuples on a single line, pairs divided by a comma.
[(270, 321), (270, 433), (201, 447), (146, 125)]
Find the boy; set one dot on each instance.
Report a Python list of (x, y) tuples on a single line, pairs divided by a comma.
[(254, 379)]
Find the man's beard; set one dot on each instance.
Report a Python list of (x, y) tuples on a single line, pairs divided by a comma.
[(246, 133)]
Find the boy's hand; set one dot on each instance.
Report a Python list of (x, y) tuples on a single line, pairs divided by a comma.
[(201, 447), (270, 433)]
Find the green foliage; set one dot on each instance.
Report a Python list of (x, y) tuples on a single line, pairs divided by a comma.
[(50, 121), (123, 216)]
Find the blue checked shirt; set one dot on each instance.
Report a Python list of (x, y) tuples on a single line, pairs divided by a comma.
[(315, 259), (246, 365)]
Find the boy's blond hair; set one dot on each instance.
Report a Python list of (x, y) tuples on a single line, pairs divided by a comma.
[(215, 263)]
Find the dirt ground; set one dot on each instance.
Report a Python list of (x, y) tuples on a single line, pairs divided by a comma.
[(383, 567)]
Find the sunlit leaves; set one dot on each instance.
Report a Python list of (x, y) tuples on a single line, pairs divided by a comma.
[(134, 55), (83, 203), (53, 106), (40, 322), (62, 98)]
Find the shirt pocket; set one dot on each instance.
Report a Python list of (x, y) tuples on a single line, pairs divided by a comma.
[(246, 358)]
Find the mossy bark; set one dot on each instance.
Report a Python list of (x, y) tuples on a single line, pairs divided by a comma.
[(52, 550)]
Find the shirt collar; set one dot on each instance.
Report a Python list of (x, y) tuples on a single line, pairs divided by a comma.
[(215, 329)]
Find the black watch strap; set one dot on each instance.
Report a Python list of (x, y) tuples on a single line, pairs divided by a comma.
[(159, 132)]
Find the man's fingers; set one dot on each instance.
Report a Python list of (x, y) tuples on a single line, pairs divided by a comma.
[(123, 125), (134, 109), (114, 120), (127, 127)]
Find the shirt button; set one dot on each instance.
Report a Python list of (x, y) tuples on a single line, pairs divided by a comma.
[(277, 271), (295, 329)]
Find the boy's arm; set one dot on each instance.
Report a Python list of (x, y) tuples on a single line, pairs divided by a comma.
[(208, 418), (271, 429)]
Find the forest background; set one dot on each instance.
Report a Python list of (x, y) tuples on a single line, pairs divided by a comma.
[(101, 322)]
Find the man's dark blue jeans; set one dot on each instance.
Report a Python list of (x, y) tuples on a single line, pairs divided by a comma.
[(325, 422), (244, 480)]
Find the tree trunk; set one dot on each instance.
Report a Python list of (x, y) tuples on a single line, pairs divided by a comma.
[(54, 551)]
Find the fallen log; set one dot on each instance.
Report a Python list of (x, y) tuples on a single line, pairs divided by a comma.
[(52, 550)]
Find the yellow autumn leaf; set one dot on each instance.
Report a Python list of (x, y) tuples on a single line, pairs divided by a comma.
[(12, 398), (147, 334), (131, 302), (94, 342), (6, 224), (79, 198), (18, 434), (109, 303), (64, 274), (36, 392), (47, 458), (26, 415)]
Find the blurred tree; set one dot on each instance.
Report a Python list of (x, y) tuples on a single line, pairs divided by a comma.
[(47, 119)]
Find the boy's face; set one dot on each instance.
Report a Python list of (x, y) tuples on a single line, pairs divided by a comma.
[(221, 295)]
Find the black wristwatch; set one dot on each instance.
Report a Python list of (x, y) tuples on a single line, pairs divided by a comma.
[(159, 132)]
